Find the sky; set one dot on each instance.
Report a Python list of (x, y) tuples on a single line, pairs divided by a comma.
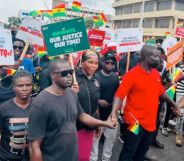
[(10, 8)]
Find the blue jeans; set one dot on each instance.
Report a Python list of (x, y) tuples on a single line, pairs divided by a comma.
[(136, 146)]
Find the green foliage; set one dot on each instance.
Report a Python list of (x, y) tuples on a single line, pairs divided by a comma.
[(14, 21)]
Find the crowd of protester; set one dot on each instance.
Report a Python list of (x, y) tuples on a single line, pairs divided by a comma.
[(46, 115)]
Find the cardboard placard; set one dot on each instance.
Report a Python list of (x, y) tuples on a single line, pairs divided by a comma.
[(6, 48), (129, 40), (65, 37), (96, 37), (30, 31), (175, 55)]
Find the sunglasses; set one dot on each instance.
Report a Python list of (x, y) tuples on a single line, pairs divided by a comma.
[(19, 47), (112, 63), (65, 73)]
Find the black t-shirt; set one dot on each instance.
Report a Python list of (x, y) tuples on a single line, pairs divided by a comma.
[(108, 87), (53, 119), (14, 127)]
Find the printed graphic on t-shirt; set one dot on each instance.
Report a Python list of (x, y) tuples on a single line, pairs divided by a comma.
[(18, 140)]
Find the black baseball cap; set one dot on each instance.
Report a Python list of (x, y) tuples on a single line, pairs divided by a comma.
[(109, 56)]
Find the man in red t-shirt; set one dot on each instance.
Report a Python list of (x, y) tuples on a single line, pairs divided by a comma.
[(142, 86)]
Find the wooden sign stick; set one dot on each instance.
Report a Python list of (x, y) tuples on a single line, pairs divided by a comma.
[(128, 62)]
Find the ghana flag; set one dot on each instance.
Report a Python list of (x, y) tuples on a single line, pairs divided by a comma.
[(76, 6), (59, 10)]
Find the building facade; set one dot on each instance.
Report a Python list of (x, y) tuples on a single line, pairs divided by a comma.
[(156, 17)]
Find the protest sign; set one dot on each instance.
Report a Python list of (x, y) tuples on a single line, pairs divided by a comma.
[(168, 43), (110, 35), (175, 55), (6, 48), (65, 37), (180, 32), (96, 37), (129, 40), (30, 31)]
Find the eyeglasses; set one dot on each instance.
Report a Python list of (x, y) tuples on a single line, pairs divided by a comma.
[(65, 73), (112, 63), (19, 47)]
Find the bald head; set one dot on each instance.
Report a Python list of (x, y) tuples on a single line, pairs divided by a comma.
[(57, 64), (147, 51)]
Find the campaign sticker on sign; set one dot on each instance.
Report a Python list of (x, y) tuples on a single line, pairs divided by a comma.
[(129, 40), (65, 37), (6, 48), (96, 37)]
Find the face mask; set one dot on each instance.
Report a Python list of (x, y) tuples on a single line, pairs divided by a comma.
[(154, 64)]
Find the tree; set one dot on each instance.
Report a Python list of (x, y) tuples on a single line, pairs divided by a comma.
[(89, 24), (14, 21)]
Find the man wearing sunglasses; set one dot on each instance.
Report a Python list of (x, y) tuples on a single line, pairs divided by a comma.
[(26, 63), (53, 117)]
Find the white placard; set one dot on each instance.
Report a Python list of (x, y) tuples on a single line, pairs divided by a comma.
[(168, 43), (6, 48), (129, 40), (109, 36), (30, 31)]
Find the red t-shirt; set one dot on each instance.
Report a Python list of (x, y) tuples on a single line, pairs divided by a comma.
[(142, 90)]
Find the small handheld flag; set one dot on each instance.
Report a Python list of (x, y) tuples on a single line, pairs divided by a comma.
[(9, 71), (171, 91), (134, 128)]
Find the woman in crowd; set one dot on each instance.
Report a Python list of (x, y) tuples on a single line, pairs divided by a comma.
[(14, 119), (89, 94)]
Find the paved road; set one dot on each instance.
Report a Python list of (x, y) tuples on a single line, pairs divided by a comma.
[(170, 153)]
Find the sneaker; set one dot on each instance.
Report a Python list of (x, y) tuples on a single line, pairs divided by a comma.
[(172, 123), (157, 144), (165, 132), (150, 158), (169, 129), (179, 139)]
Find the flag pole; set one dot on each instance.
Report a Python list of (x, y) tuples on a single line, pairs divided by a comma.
[(24, 52), (128, 61), (72, 65)]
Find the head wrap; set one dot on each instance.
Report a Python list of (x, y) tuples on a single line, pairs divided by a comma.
[(88, 54)]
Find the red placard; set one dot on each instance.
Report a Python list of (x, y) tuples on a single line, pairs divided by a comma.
[(180, 32), (96, 37)]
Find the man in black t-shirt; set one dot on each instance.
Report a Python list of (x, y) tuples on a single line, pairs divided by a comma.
[(53, 116), (109, 83)]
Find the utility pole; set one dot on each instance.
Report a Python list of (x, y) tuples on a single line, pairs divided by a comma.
[(142, 14)]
